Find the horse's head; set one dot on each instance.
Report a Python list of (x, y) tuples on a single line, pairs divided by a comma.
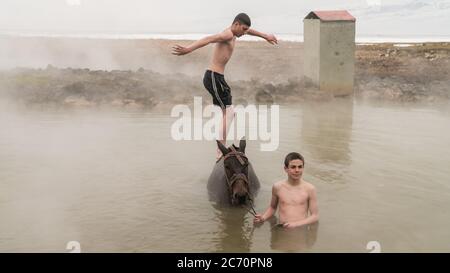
[(236, 172)]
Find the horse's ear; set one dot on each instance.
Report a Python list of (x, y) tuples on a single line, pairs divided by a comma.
[(222, 148), (242, 144)]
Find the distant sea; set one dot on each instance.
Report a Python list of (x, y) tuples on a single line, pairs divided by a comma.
[(360, 39)]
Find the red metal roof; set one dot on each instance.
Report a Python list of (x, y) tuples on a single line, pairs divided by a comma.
[(331, 15)]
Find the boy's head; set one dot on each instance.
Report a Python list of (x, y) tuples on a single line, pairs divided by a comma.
[(241, 24), (293, 165)]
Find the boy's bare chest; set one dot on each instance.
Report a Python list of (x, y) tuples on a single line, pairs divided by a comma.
[(293, 196)]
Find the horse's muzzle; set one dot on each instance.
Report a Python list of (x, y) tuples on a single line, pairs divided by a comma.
[(239, 199)]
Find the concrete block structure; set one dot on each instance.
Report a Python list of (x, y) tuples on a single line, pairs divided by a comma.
[(329, 51)]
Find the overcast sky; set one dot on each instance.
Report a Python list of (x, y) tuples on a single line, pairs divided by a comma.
[(374, 17)]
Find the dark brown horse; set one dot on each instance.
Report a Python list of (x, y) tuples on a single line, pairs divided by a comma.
[(233, 180)]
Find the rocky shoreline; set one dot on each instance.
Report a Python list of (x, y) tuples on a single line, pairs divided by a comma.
[(387, 72)]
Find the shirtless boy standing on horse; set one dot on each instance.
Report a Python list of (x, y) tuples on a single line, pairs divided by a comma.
[(213, 79)]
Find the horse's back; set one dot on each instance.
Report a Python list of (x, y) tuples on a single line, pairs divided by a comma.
[(217, 184), (254, 181)]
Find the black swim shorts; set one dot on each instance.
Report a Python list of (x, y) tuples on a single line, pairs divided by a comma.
[(218, 88)]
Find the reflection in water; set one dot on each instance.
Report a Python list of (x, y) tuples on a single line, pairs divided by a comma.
[(326, 135), (235, 232), (327, 130), (297, 240)]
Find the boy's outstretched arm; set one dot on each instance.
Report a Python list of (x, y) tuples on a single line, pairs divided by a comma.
[(268, 37), (220, 37), (270, 210)]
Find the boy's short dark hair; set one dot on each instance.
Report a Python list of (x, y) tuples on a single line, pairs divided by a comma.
[(293, 156), (243, 19)]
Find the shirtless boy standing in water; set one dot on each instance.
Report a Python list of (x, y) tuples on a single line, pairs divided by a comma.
[(295, 197), (213, 79)]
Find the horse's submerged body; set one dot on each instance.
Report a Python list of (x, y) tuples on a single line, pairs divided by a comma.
[(219, 189)]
